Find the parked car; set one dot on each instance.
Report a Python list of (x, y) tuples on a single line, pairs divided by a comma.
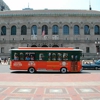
[(94, 65)]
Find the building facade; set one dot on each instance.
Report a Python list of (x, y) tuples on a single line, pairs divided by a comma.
[(3, 6), (51, 28)]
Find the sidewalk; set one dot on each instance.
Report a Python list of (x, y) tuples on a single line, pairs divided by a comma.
[(46, 86)]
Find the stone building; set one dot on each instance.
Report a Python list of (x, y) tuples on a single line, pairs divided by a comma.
[(3, 6), (51, 28)]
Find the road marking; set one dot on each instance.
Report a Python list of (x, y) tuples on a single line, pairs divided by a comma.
[(96, 83)]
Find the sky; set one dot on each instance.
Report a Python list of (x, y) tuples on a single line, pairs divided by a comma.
[(53, 4)]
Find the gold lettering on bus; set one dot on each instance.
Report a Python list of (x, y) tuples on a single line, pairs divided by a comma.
[(64, 63), (31, 63), (17, 64)]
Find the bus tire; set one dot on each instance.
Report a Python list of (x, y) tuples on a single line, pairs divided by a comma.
[(31, 70), (63, 70)]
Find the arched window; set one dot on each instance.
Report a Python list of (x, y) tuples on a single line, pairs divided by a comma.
[(44, 30), (3, 30), (44, 46), (86, 30), (55, 45), (65, 29), (24, 30), (96, 30), (34, 30), (13, 30), (76, 30), (55, 30)]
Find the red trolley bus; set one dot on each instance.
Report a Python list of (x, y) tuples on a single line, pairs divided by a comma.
[(34, 59)]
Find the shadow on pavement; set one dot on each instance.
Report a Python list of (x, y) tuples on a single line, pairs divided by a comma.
[(48, 72)]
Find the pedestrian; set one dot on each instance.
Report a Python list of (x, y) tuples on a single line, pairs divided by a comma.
[(0, 60), (5, 60), (93, 59)]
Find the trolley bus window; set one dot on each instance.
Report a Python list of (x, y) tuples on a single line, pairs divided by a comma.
[(41, 56), (65, 56), (16, 57), (74, 57), (49, 56), (21, 56), (32, 56), (54, 56), (27, 56), (59, 56)]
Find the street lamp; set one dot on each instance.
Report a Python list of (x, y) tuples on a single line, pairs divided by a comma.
[(97, 55), (97, 43)]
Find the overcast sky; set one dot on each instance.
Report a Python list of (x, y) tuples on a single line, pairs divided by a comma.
[(53, 4)]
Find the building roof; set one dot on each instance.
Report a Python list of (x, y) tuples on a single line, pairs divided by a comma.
[(50, 13), (3, 4)]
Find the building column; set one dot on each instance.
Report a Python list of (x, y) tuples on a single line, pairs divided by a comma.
[(28, 36), (71, 34), (50, 33), (39, 34), (60, 33), (8, 33), (18, 35)]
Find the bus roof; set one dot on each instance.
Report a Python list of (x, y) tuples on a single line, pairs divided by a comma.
[(47, 49)]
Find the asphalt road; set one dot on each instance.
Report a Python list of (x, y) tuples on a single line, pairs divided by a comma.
[(5, 69)]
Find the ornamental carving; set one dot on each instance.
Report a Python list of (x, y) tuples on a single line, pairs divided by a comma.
[(71, 27), (49, 27), (39, 27), (91, 27), (81, 22), (60, 27), (28, 22)]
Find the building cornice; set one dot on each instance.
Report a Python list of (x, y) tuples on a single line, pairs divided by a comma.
[(50, 13)]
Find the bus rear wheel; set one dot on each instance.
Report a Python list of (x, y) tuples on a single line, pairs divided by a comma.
[(31, 70), (63, 70)]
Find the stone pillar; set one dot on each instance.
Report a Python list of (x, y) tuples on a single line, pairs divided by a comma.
[(60, 33), (18, 35), (8, 33), (82, 36), (50, 33), (71, 34), (28, 36), (92, 31), (39, 33)]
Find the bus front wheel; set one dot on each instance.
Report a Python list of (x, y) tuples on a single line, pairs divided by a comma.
[(63, 70), (31, 70)]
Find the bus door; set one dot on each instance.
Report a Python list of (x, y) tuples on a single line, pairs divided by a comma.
[(74, 63), (41, 63), (53, 63)]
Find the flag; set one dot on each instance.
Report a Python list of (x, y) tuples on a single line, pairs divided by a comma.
[(43, 32), (33, 32), (2, 33), (88, 31)]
